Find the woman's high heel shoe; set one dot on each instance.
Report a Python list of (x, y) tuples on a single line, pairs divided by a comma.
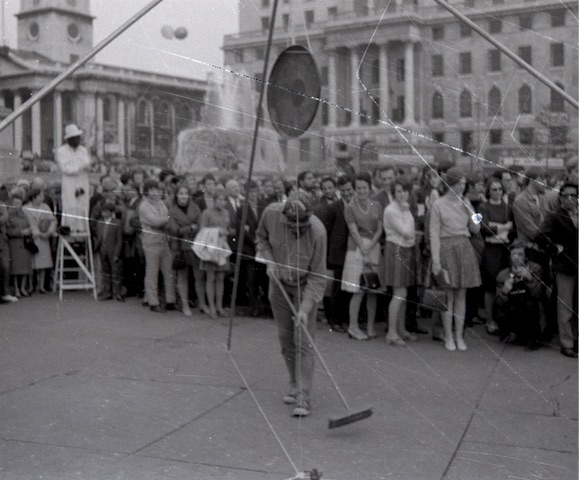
[(409, 337), (396, 341), (357, 335)]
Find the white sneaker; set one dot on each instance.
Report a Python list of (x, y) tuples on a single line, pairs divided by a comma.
[(9, 298)]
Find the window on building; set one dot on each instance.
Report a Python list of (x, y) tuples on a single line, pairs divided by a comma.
[(324, 74), (465, 104), (325, 114), (400, 69), (558, 18), (183, 117), (399, 111), (143, 114), (494, 60), (361, 8), (465, 31), (309, 17), (526, 21), (525, 54), (438, 137), (437, 66), (305, 150), (466, 142), (465, 63), (108, 113), (68, 109), (558, 135), (239, 57), (495, 136), (557, 54), (375, 71), (285, 19), (163, 115), (495, 25), (526, 135), (525, 99), (438, 33), (259, 53), (332, 12), (264, 23), (494, 104), (557, 103), (437, 105), (265, 3)]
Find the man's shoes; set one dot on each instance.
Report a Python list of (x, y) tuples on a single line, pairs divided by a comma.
[(437, 338), (302, 409), (157, 309), (119, 298), (532, 346), (568, 352), (9, 298), (492, 329), (102, 298), (290, 398), (420, 330), (170, 307), (336, 327)]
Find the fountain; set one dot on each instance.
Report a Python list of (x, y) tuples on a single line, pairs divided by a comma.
[(223, 138)]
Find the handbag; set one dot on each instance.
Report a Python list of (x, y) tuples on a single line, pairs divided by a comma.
[(369, 282), (433, 295), (179, 262), (30, 245)]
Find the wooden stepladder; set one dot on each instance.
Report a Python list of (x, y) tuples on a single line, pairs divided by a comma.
[(75, 264)]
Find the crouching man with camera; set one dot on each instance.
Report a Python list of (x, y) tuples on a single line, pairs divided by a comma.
[(517, 300)]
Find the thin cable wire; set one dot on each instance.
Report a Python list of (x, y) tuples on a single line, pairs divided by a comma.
[(269, 424)]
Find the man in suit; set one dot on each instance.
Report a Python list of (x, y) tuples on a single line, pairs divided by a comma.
[(109, 242)]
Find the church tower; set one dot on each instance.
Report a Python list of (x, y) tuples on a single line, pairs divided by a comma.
[(61, 30)]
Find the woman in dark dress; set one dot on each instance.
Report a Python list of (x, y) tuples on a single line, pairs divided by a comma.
[(496, 228)]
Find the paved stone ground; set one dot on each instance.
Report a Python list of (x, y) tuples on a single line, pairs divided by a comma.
[(106, 390)]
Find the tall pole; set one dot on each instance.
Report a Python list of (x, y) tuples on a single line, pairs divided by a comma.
[(74, 67), (258, 120), (539, 76)]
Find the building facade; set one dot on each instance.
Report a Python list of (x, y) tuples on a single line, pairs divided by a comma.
[(124, 113), (409, 68)]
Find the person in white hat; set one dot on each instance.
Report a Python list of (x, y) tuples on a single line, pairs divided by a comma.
[(74, 163)]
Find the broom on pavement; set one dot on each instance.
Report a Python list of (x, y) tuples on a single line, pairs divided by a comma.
[(352, 415)]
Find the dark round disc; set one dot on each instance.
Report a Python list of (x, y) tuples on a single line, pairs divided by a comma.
[(293, 91)]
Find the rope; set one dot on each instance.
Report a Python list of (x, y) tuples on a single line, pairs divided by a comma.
[(280, 443)]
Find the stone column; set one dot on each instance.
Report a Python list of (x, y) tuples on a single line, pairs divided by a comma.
[(36, 130), (409, 83), (355, 87), (100, 127), (130, 126), (57, 119), (383, 68), (332, 90), (121, 126), (18, 123)]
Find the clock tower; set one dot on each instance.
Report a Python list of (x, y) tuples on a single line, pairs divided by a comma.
[(58, 29)]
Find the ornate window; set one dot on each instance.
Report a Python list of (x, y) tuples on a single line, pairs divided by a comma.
[(525, 99), (465, 104), (494, 104), (437, 105)]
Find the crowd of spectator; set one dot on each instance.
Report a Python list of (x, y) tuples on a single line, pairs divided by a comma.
[(173, 240)]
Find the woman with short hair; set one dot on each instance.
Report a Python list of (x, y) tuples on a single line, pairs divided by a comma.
[(453, 257)]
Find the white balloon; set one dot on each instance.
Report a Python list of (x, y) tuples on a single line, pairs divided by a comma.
[(167, 32), (181, 33)]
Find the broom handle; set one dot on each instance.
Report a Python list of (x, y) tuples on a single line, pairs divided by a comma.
[(311, 340)]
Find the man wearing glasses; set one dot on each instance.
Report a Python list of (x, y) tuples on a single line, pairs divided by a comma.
[(559, 238)]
